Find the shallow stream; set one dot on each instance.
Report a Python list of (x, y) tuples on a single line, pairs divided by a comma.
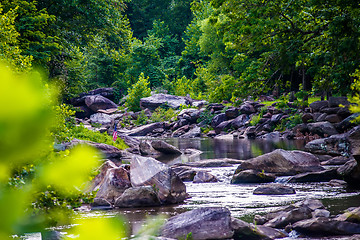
[(238, 198)]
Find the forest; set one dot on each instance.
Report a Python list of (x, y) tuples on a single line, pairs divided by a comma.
[(213, 50), (222, 51)]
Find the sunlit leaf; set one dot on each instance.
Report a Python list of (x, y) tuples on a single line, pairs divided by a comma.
[(99, 228)]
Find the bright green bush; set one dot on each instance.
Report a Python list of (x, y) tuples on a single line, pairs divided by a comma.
[(139, 90), (161, 114)]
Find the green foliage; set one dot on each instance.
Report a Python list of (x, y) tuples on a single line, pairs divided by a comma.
[(161, 114), (138, 90), (141, 119), (255, 119), (355, 99), (206, 117), (82, 133)]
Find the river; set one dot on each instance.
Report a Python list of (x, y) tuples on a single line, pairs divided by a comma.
[(238, 198)]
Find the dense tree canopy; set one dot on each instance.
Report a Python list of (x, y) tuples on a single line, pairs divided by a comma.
[(223, 49)]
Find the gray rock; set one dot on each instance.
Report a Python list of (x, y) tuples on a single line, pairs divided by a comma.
[(322, 176), (142, 130), (190, 114), (247, 108), (165, 147), (350, 216), (317, 105), (204, 177), (347, 123), (333, 118), (252, 176), (150, 172), (336, 101), (307, 117), (115, 182), (340, 160), (199, 104), (320, 213), (223, 126), (143, 196), (335, 145), (97, 102), (240, 121), (146, 149), (157, 100), (185, 173), (218, 119), (202, 223), (232, 113), (326, 227), (350, 171), (244, 230), (290, 217), (192, 133), (105, 92), (282, 162), (274, 189), (101, 118), (313, 204), (323, 129), (337, 183)]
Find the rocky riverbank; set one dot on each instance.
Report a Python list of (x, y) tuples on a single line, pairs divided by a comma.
[(133, 178)]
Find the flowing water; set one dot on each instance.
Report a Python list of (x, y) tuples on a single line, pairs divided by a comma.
[(238, 198)]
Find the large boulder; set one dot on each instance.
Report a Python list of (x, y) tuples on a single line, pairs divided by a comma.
[(337, 101), (347, 123), (322, 176), (189, 114), (274, 189), (350, 171), (317, 105), (101, 118), (350, 216), (98, 102), (335, 145), (323, 129), (114, 183), (161, 99), (232, 112), (144, 196), (218, 119), (252, 176), (240, 121), (326, 227), (282, 162), (247, 108), (202, 223), (165, 147), (105, 92), (146, 171)]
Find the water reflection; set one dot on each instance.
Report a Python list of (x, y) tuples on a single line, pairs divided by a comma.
[(228, 148)]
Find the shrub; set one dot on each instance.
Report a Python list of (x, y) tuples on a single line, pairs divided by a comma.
[(139, 90)]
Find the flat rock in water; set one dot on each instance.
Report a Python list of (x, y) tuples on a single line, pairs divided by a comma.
[(282, 162), (204, 177), (202, 223), (165, 147), (252, 176), (283, 219), (146, 171), (274, 189)]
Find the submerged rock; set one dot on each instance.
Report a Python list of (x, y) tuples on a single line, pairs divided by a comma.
[(164, 147), (204, 177), (252, 176), (274, 189), (202, 223)]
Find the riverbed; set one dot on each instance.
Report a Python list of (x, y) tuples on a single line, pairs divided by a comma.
[(238, 198)]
